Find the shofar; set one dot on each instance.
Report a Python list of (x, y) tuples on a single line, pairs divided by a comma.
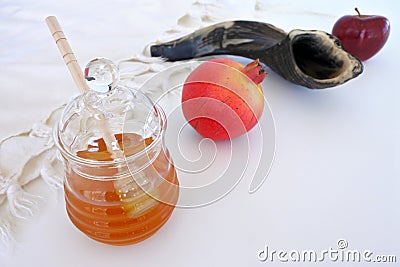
[(310, 58)]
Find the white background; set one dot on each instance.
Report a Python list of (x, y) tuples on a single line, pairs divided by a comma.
[(335, 174)]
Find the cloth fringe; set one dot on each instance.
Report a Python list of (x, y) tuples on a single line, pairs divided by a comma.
[(25, 157), (6, 235), (20, 202)]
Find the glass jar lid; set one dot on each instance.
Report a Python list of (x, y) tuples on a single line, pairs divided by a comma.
[(107, 105)]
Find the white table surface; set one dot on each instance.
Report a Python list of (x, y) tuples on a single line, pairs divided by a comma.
[(336, 172)]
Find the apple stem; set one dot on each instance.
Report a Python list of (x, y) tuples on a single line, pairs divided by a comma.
[(358, 12)]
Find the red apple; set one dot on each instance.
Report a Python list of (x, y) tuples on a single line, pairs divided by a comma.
[(362, 35)]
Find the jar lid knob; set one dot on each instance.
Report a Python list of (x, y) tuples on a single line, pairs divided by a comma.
[(102, 75)]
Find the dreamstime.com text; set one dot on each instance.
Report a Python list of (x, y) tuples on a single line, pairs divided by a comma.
[(339, 254)]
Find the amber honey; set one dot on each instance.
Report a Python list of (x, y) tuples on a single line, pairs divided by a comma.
[(115, 205)]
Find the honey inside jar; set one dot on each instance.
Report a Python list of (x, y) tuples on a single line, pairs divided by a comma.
[(118, 210)]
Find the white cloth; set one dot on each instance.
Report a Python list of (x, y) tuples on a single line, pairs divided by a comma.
[(335, 175), (31, 154)]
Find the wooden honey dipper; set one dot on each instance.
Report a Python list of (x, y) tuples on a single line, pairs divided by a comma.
[(80, 82)]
